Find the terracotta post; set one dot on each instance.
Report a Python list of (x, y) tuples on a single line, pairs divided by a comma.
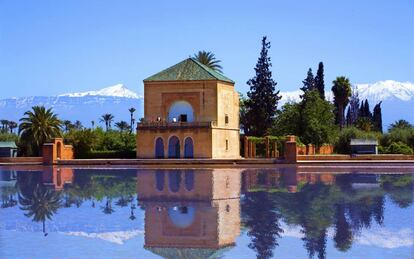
[(246, 147), (290, 149), (250, 148), (267, 147), (254, 149)]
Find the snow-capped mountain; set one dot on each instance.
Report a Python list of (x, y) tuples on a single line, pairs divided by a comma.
[(84, 106), (397, 102), (376, 92), (397, 99), (118, 90)]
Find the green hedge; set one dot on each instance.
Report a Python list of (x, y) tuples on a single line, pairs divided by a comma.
[(108, 154)]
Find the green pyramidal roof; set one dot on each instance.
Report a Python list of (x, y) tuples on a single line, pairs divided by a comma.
[(188, 70)]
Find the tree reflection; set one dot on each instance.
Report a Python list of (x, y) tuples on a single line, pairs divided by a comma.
[(263, 222), (41, 204), (348, 203)]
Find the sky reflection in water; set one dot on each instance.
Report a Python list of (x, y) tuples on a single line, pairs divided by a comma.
[(211, 213)]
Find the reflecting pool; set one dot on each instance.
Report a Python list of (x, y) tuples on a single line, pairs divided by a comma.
[(285, 212)]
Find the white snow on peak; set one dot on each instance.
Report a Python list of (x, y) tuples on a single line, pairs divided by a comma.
[(117, 237), (375, 92), (118, 90), (387, 89)]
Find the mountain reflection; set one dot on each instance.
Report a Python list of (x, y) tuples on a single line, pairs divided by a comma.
[(200, 213)]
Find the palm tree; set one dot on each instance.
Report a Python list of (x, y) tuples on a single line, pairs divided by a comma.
[(342, 91), (208, 59), (39, 126), (122, 126), (107, 209), (400, 124), (4, 124), (78, 125), (12, 126), (107, 118), (67, 125), (132, 110), (41, 204)]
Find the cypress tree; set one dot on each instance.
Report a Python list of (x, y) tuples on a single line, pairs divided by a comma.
[(263, 97), (367, 112), (308, 82), (353, 108), (377, 117), (319, 81)]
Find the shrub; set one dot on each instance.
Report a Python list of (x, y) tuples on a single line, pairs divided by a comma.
[(399, 148), (108, 154), (8, 137), (404, 135), (342, 145)]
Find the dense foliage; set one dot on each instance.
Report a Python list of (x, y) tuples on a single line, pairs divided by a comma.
[(312, 120)]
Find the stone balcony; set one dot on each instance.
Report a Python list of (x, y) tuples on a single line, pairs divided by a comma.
[(160, 125)]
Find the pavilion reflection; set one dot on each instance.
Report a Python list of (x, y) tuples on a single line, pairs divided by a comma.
[(190, 214)]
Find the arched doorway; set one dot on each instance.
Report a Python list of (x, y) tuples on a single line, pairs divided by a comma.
[(188, 148), (181, 111), (159, 148), (174, 147)]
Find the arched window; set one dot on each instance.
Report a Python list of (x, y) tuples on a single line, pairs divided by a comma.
[(159, 180), (174, 180), (189, 180), (181, 111), (159, 148), (174, 147), (188, 148)]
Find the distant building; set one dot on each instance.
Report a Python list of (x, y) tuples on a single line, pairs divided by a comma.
[(8, 149), (364, 146), (190, 111)]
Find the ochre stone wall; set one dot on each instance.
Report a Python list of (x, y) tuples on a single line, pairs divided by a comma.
[(159, 96), (212, 101), (56, 150), (202, 145)]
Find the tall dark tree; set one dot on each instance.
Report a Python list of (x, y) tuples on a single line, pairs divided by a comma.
[(263, 97), (353, 108), (319, 81), (377, 117), (308, 82), (367, 111), (342, 91)]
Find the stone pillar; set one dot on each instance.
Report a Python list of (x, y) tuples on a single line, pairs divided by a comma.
[(246, 147), (250, 148), (276, 152), (290, 149), (254, 149), (267, 147)]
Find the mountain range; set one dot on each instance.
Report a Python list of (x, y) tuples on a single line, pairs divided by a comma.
[(397, 102)]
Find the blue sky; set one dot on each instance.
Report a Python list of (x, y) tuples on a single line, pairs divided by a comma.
[(52, 47)]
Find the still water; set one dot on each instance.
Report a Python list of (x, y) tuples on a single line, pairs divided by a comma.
[(286, 212)]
